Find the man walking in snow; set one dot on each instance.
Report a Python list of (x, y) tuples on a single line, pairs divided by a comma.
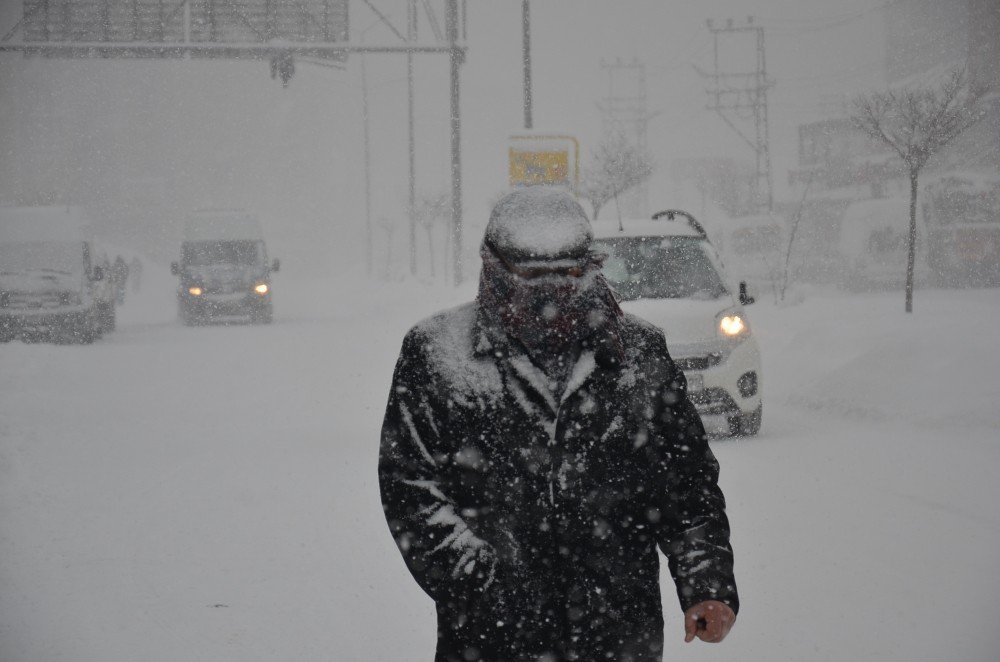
[(538, 447)]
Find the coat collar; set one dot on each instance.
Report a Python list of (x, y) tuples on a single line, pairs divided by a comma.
[(602, 350)]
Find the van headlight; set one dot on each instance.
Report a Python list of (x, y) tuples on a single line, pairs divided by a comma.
[(195, 291), (733, 325), (261, 288)]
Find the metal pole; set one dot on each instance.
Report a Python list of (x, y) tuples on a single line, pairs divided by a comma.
[(526, 56), (368, 169), (411, 37), (767, 132), (451, 27)]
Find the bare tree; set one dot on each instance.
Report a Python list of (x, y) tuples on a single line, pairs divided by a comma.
[(616, 166), (916, 122)]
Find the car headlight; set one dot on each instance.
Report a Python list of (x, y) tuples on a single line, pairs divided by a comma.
[(734, 326), (261, 288), (195, 291)]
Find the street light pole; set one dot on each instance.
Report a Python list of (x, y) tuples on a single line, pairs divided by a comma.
[(368, 168), (411, 37), (451, 27), (526, 56)]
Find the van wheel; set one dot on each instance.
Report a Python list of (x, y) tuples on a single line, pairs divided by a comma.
[(262, 316), (187, 317), (747, 425)]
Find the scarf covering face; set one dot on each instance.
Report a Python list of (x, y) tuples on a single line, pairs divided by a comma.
[(548, 313)]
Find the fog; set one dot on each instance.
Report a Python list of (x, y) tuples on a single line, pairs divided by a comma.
[(146, 141), (177, 484)]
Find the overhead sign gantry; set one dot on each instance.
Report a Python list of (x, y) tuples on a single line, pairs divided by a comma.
[(278, 30)]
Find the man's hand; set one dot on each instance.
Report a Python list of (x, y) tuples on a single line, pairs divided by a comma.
[(710, 621)]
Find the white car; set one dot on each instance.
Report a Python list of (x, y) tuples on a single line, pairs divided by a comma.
[(666, 271)]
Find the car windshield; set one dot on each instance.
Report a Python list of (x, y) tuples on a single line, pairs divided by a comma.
[(62, 257), (203, 253), (660, 268)]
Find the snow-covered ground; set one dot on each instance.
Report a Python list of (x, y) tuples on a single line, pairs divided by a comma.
[(210, 494)]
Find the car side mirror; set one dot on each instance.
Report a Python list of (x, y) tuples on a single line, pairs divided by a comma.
[(98, 274), (745, 298), (276, 265), (175, 269)]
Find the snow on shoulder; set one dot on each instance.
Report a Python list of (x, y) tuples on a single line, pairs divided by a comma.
[(448, 339), (539, 223)]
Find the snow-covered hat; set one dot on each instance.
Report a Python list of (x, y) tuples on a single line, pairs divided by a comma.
[(539, 226)]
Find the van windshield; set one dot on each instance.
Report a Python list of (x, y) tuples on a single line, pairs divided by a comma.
[(204, 253), (61, 257), (660, 268)]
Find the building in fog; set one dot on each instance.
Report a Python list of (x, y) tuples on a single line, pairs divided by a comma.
[(928, 38), (835, 154), (847, 172), (924, 39)]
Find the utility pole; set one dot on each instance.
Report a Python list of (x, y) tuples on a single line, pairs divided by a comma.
[(526, 57), (411, 38), (456, 57), (369, 247), (745, 90), (625, 110)]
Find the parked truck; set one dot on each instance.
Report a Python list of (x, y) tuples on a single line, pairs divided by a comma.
[(53, 276), (224, 271)]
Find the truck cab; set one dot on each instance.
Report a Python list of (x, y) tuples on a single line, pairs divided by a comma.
[(224, 270), (52, 283)]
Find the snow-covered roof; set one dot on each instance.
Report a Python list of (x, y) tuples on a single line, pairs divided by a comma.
[(221, 224), (48, 223), (930, 77)]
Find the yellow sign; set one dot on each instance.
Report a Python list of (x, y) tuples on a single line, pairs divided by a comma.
[(544, 158), (527, 168)]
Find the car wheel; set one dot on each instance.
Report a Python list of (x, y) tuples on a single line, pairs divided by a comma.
[(106, 315), (86, 336), (747, 425)]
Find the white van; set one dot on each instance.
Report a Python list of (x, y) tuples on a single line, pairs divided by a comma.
[(224, 271), (53, 277), (666, 271)]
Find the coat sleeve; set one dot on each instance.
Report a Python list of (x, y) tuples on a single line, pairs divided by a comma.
[(693, 530), (446, 557)]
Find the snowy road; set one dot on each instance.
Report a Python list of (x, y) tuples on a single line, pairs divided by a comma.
[(210, 493)]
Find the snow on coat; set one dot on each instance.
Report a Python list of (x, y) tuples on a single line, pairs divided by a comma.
[(532, 518)]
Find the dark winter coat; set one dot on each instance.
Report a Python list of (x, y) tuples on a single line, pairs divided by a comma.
[(534, 522)]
